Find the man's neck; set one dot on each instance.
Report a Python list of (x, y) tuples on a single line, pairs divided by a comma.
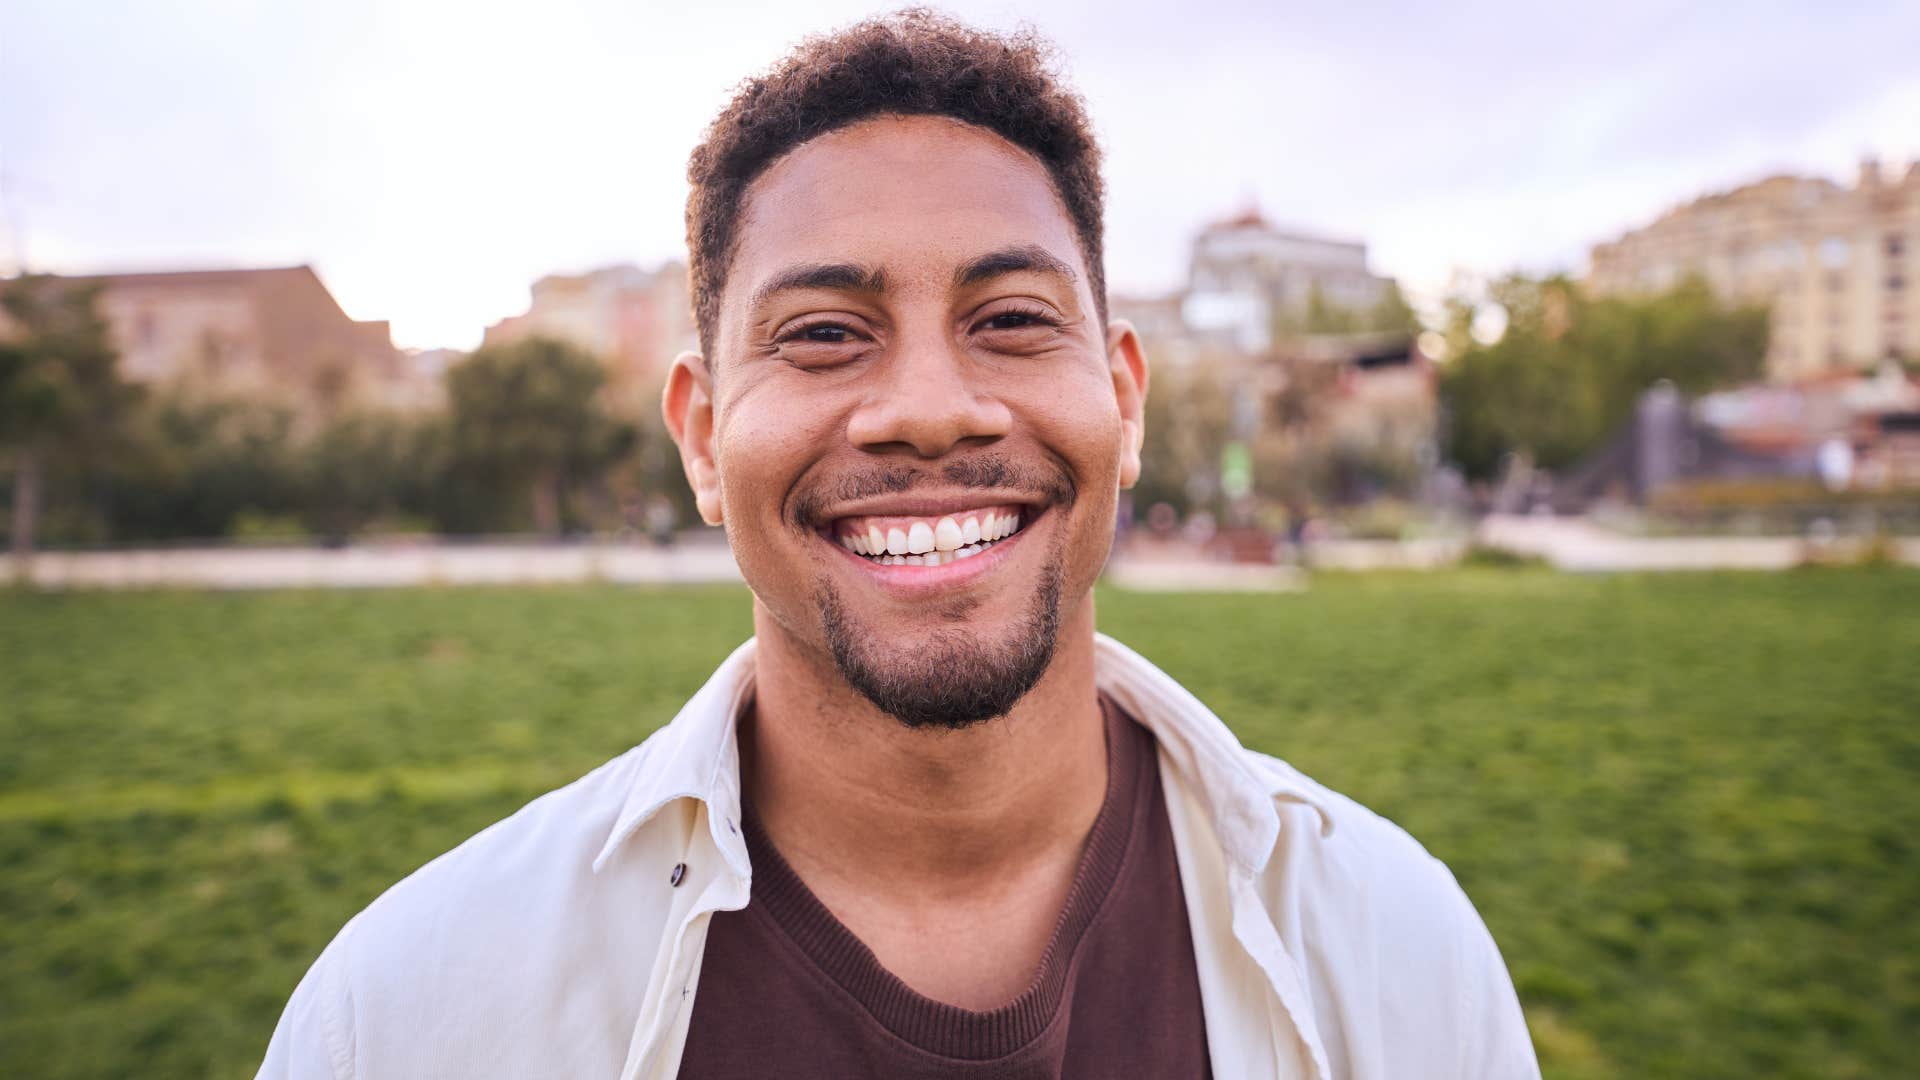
[(911, 836)]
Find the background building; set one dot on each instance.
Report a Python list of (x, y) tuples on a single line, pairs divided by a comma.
[(1835, 264), (635, 320), (1248, 276), (274, 334)]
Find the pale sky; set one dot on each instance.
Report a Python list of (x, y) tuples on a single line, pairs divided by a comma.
[(431, 159)]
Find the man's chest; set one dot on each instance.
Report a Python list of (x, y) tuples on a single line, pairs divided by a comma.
[(1107, 987)]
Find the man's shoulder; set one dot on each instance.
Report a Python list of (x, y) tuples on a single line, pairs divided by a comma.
[(1381, 927), (516, 918), (503, 871), (1329, 814), (1350, 853)]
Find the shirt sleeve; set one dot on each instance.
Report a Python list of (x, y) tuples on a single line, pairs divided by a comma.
[(314, 1038), (1494, 1042)]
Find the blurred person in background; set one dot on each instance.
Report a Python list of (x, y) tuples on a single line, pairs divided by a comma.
[(928, 822)]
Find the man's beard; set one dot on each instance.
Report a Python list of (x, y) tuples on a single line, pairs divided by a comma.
[(953, 681)]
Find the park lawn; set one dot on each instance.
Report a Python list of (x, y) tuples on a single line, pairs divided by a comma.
[(1686, 805)]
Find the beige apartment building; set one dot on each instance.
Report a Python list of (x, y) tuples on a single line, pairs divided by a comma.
[(1837, 265), (634, 320)]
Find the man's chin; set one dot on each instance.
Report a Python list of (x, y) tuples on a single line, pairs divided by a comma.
[(950, 677)]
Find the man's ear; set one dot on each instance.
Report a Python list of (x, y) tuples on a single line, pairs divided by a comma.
[(688, 406), (1129, 367)]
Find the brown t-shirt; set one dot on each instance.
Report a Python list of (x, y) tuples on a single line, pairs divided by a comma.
[(787, 991)]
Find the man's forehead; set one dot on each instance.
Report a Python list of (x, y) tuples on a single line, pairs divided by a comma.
[(900, 195)]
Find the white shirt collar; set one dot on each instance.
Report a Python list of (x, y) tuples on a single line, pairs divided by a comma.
[(697, 756)]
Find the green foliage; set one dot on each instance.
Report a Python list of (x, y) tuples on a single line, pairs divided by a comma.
[(1391, 313), (364, 466), (529, 413), (61, 396), (1570, 369), (203, 464), (210, 465), (59, 378), (1311, 447), (1189, 419), (1487, 557), (523, 420), (1296, 464), (1685, 805)]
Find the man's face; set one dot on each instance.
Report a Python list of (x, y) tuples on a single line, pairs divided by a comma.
[(917, 425)]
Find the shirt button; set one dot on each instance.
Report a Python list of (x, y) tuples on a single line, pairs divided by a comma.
[(679, 872)]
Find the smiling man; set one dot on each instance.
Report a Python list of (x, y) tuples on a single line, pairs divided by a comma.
[(928, 822)]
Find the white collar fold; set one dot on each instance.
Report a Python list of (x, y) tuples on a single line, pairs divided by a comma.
[(697, 756)]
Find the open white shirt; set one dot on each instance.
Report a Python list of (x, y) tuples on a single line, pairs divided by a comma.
[(566, 940)]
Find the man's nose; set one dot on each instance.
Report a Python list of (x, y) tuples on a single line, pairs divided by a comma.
[(930, 396)]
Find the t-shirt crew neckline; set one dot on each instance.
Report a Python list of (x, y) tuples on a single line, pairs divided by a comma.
[(935, 1026)]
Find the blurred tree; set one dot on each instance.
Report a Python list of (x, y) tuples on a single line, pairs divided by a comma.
[(360, 467), (61, 396), (1293, 454), (1568, 370), (1390, 314), (204, 461), (649, 472), (529, 415), (1189, 420)]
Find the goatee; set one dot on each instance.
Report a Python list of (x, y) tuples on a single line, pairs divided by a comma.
[(954, 680)]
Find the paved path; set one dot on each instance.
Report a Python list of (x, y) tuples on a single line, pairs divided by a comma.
[(1567, 543), (376, 566), (1576, 544)]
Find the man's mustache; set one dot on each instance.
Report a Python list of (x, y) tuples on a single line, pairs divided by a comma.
[(991, 472)]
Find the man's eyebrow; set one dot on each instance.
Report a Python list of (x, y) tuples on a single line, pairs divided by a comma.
[(849, 276), (1012, 260)]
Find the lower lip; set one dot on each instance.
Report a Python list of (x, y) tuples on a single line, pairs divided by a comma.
[(913, 581)]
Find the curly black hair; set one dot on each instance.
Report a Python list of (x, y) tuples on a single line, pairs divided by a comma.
[(914, 62)]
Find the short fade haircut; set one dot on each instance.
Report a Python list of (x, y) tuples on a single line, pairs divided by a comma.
[(914, 62)]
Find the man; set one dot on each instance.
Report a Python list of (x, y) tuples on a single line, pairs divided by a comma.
[(927, 823)]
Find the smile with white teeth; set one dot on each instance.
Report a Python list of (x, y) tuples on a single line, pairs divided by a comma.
[(927, 541)]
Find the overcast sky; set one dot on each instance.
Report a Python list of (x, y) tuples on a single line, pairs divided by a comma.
[(431, 159)]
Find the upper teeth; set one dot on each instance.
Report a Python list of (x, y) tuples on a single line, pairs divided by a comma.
[(929, 540)]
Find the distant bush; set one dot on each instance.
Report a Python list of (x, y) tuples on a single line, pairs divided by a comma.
[(1380, 519), (254, 527), (1769, 493), (1782, 506), (1486, 556), (527, 441)]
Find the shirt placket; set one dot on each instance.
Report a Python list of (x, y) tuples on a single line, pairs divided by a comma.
[(710, 885), (1253, 928)]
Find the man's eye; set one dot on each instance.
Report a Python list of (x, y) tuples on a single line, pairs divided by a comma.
[(829, 335), (1016, 320)]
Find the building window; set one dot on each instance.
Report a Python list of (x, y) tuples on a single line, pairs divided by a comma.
[(1836, 282), (1833, 252), (1895, 283), (1895, 245)]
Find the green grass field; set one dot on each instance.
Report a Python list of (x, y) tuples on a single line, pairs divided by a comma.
[(1686, 805)]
